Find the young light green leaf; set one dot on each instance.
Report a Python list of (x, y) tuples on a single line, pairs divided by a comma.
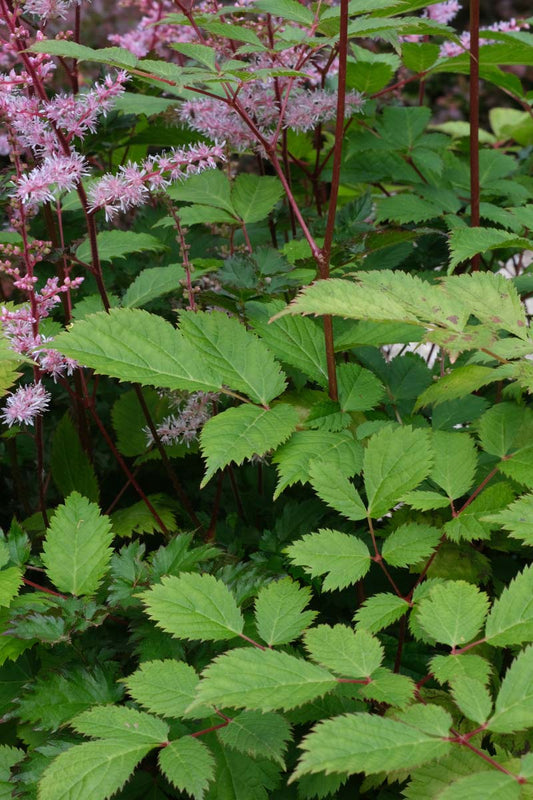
[(519, 466), (120, 722), (380, 611), (151, 283), (472, 698), (243, 361), (334, 488), (365, 743), (10, 583), (77, 549), (514, 705), (340, 451), (261, 680), (425, 501), (192, 606), (396, 460), (164, 687), (119, 244), (353, 654), (511, 617), (341, 558), (258, 734), (453, 613), (92, 769), (359, 389), (460, 382), (409, 544), (254, 196), (297, 341), (242, 432), (516, 518), (136, 346), (209, 188), (70, 465), (466, 665), (466, 242), (189, 765), (389, 687), (455, 462), (491, 297), (279, 611)]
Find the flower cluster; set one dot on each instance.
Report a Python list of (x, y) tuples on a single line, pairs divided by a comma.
[(55, 174), (183, 427), (131, 186), (25, 404)]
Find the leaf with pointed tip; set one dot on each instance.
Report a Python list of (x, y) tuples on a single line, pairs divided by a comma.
[(389, 687), (453, 613), (242, 432), (359, 389), (472, 698), (279, 611), (243, 361), (334, 488), (396, 460), (511, 617), (514, 705), (10, 583), (196, 607), (466, 665), (69, 463), (499, 427), (258, 734), (254, 196), (380, 611), (151, 283), (366, 743), (164, 687), (409, 544), (263, 680), (455, 462), (77, 552), (516, 518), (120, 722), (488, 785), (459, 383), (341, 558), (353, 654), (92, 769), (189, 766)]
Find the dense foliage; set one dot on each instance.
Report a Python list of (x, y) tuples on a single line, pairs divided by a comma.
[(287, 553)]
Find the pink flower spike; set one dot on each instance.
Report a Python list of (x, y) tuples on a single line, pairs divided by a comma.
[(27, 403)]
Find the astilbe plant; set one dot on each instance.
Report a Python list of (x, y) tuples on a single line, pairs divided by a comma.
[(283, 557)]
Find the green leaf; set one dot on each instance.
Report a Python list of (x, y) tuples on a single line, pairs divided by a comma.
[(163, 687), (55, 697), (353, 654), (396, 460), (499, 427), (365, 743), (294, 340), (129, 420), (516, 518), (514, 705), (419, 57), (107, 55), (476, 521), (119, 244), (77, 549), (254, 196), (388, 687), (455, 463), (136, 346), (453, 613), (409, 544), (242, 432), (466, 242), (239, 777), (460, 382), (209, 188), (9, 756), (279, 611), (425, 501), (472, 698), (492, 298), (407, 208), (197, 607), (511, 617), (93, 769), (122, 723), (10, 583), (189, 765), (519, 466), (359, 389), (243, 361), (70, 465), (466, 665), (288, 9), (341, 558), (380, 611), (199, 52), (257, 734), (263, 680), (139, 519), (152, 283), (339, 451), (334, 488), (490, 785)]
